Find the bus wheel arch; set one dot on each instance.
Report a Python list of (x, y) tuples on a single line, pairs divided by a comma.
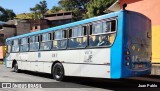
[(58, 71), (15, 66), (13, 63)]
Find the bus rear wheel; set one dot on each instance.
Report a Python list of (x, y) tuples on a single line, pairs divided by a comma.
[(58, 72), (15, 68)]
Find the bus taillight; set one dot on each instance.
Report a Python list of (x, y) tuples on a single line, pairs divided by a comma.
[(127, 58), (127, 53)]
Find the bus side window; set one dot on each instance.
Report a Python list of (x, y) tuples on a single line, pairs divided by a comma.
[(95, 28), (63, 43), (46, 44), (103, 33), (9, 44), (56, 37), (72, 38), (78, 38), (60, 39), (15, 46), (106, 26), (24, 46), (34, 43)]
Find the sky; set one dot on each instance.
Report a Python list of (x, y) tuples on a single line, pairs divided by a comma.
[(23, 6)]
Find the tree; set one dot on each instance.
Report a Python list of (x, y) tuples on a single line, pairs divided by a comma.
[(86, 8), (55, 9), (97, 7), (35, 11), (78, 7), (6, 14), (73, 4), (40, 9), (11, 14)]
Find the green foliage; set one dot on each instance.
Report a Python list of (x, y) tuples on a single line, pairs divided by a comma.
[(97, 7), (55, 9), (25, 16), (86, 8), (81, 9), (73, 4), (78, 7), (39, 9), (6, 14)]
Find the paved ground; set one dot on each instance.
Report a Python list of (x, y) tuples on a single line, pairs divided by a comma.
[(70, 84), (7, 75)]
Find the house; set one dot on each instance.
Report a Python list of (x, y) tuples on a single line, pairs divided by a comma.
[(59, 18), (9, 30), (29, 25)]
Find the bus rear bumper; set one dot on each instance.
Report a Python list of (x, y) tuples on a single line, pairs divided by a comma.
[(134, 73)]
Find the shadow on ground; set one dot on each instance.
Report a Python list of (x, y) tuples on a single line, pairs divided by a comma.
[(112, 84)]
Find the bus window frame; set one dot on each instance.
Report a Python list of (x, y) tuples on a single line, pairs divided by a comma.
[(7, 46), (49, 34), (82, 36), (17, 45), (20, 43), (50, 37), (108, 33), (66, 39), (37, 35)]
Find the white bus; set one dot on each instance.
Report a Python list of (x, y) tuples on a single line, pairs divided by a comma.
[(114, 45)]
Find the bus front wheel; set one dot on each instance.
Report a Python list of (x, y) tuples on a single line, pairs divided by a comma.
[(58, 72), (15, 68)]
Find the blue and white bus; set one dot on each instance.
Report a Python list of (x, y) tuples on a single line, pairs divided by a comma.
[(115, 45)]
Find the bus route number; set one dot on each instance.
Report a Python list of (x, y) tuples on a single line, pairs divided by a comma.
[(54, 55)]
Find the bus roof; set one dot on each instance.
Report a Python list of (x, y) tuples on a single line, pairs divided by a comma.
[(113, 14)]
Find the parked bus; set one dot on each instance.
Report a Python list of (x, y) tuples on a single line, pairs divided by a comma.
[(115, 45)]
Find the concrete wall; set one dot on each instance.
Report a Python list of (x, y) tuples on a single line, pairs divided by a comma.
[(9, 32), (23, 27)]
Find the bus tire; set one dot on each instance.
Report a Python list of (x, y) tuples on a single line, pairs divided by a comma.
[(58, 72), (15, 67)]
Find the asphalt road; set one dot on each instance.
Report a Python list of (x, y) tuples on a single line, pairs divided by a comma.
[(70, 84)]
